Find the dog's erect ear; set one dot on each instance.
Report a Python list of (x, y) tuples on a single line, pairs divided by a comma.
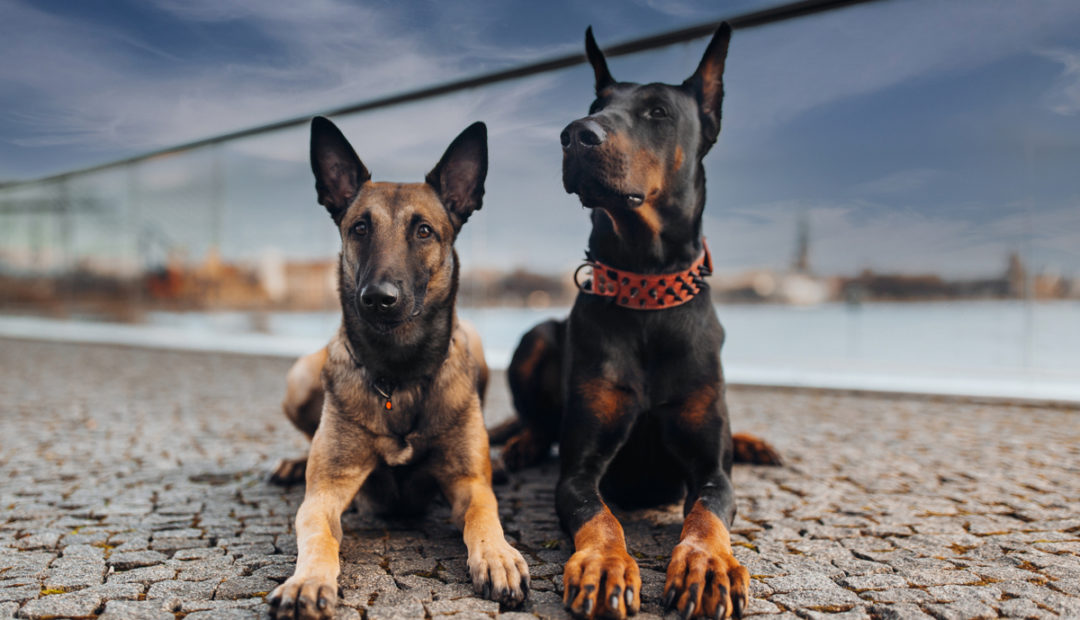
[(339, 173), (707, 83), (596, 59), (459, 176)]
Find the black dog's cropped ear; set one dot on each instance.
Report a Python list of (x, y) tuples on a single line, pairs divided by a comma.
[(339, 173), (459, 176), (707, 83), (596, 59)]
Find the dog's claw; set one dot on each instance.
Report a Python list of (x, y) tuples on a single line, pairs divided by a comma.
[(689, 610)]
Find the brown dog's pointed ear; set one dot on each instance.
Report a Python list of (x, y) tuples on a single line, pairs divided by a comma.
[(339, 173), (707, 83), (596, 59), (459, 176)]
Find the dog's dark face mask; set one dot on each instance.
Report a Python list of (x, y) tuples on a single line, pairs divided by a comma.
[(397, 255)]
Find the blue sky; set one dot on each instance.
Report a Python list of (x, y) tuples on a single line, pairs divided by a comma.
[(913, 135)]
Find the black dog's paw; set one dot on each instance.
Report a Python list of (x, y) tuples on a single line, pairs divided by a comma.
[(602, 583), (289, 472)]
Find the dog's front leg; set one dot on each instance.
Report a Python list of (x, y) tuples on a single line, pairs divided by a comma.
[(335, 472), (600, 579), (704, 578), (498, 571)]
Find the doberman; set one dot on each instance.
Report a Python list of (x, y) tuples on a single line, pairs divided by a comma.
[(392, 404), (631, 384)]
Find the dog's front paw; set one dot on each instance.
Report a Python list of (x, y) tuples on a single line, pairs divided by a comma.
[(304, 598), (500, 573), (614, 571), (703, 581)]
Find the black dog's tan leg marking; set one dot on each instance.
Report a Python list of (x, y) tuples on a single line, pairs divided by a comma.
[(600, 579), (303, 406), (754, 450), (703, 577), (498, 571), (336, 470)]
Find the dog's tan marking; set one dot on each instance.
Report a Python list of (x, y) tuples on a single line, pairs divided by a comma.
[(604, 398), (704, 550), (599, 575), (698, 405)]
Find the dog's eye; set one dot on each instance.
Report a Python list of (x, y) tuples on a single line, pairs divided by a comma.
[(360, 228), (424, 231), (658, 112)]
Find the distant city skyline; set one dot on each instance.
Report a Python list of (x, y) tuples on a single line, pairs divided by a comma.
[(914, 137)]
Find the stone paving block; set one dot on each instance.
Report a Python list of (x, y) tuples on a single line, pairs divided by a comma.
[(962, 610), (144, 575), (834, 599), (19, 593), (875, 581), (135, 610), (244, 587), (73, 604), (902, 611), (8, 609), (185, 590), (135, 559), (447, 607), (404, 611)]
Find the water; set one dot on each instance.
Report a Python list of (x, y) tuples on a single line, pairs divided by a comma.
[(992, 348)]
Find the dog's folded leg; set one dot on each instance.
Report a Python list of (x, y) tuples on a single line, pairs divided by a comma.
[(498, 571), (335, 473), (753, 450)]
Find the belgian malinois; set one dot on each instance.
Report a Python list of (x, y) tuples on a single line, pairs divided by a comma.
[(392, 403), (631, 384)]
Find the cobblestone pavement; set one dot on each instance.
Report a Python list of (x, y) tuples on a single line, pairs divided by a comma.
[(132, 485)]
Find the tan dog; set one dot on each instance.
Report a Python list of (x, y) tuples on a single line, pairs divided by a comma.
[(392, 404)]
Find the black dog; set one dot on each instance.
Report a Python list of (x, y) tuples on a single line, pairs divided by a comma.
[(631, 383)]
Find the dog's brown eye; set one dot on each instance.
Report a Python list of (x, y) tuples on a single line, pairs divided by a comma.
[(360, 228), (658, 112), (424, 231)]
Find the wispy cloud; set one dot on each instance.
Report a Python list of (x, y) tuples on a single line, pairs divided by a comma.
[(1064, 96), (774, 74), (897, 182)]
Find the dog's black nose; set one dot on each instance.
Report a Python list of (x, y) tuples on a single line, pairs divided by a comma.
[(585, 132), (380, 296)]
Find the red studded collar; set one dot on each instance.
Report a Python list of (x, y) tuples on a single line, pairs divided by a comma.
[(640, 291)]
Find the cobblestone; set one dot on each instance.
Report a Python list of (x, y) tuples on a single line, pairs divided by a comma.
[(137, 489)]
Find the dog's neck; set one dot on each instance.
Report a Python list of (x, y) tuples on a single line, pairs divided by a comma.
[(621, 238), (411, 355)]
